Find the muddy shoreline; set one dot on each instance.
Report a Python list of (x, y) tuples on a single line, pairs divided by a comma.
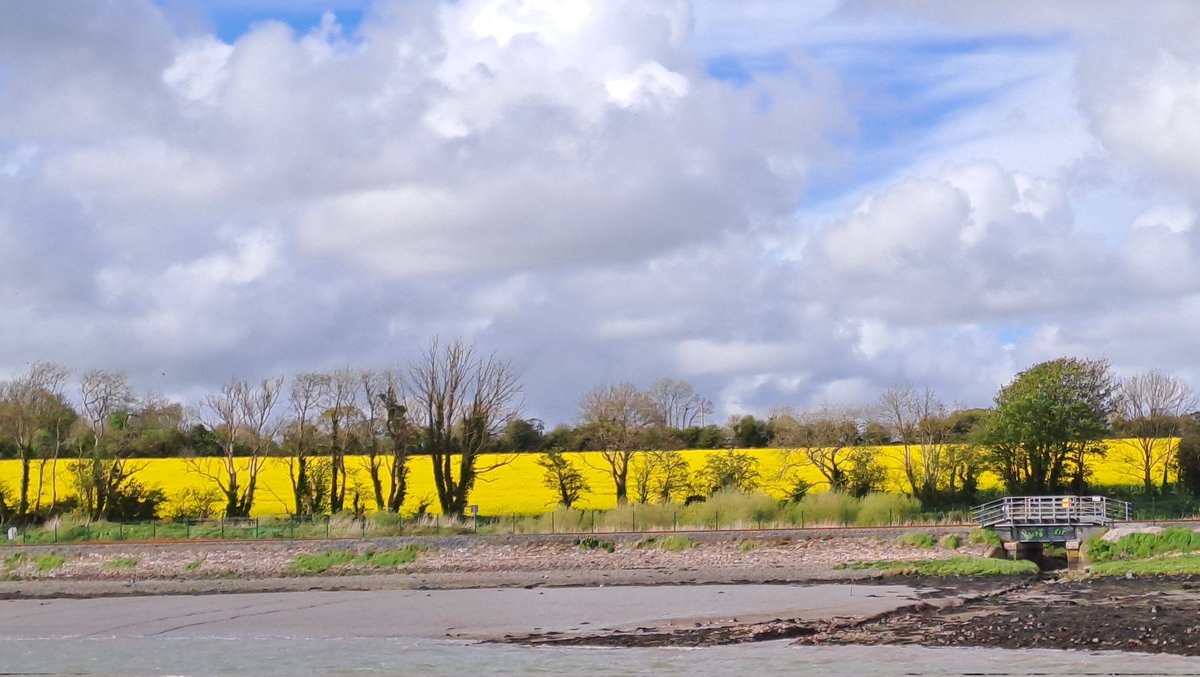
[(1158, 615)]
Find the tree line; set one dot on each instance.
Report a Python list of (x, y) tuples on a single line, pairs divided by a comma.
[(463, 410)]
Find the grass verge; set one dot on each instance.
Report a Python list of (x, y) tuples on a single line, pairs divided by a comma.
[(1182, 565), (954, 566), (308, 564)]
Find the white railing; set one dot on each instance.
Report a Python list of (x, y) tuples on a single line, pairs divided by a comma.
[(1046, 510)]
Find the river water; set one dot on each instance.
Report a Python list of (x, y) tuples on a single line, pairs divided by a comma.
[(199, 656)]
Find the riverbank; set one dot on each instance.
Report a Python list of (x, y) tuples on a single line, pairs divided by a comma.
[(457, 562), (651, 591)]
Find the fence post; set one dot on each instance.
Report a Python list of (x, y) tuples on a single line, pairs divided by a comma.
[(327, 525), (801, 519), (154, 529), (632, 519), (256, 528), (551, 524), (364, 527), (514, 523), (187, 526), (593, 520), (56, 532), (675, 520), (716, 520), (222, 528)]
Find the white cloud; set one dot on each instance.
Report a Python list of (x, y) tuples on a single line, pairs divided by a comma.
[(565, 183)]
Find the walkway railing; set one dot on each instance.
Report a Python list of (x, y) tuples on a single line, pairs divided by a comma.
[(1015, 511)]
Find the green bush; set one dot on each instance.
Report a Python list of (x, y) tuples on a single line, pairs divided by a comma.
[(595, 544), (121, 564), (951, 541), (50, 562), (916, 540), (980, 536)]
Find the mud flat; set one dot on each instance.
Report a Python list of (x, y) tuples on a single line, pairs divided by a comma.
[(479, 614)]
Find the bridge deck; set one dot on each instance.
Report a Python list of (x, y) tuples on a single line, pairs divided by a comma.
[(1045, 511)]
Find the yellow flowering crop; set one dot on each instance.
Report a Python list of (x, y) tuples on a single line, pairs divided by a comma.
[(515, 488)]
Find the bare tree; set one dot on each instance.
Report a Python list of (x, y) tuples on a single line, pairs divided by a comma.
[(617, 416), (388, 436), (920, 423), (462, 401), (823, 439), (102, 466), (342, 416), (34, 416), (1150, 408), (307, 396), (243, 417), (677, 404)]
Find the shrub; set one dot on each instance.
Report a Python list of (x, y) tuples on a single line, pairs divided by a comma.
[(50, 562), (668, 543), (951, 541), (121, 563), (916, 540), (981, 536), (595, 544)]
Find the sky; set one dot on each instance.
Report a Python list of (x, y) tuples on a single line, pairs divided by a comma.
[(785, 204)]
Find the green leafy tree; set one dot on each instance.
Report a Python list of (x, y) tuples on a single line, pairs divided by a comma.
[(729, 470), (562, 477), (1048, 422), (1187, 454), (749, 432)]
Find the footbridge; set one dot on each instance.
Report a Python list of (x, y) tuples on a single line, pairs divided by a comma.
[(1026, 523)]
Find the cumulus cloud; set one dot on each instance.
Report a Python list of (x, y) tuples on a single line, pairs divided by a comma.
[(888, 192)]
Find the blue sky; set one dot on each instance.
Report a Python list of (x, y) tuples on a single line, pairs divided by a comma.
[(787, 204)]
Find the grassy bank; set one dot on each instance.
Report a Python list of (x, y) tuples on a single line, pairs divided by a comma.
[(723, 511)]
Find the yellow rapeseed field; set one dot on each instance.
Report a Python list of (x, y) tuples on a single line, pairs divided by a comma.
[(515, 488)]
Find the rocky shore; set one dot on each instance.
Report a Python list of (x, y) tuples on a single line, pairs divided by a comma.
[(449, 562), (1149, 615)]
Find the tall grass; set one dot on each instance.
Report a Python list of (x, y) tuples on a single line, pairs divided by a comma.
[(725, 510), (1175, 540)]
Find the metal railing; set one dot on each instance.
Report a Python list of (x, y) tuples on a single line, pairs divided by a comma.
[(1049, 510)]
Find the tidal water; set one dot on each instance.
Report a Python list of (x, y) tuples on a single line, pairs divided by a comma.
[(198, 656)]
